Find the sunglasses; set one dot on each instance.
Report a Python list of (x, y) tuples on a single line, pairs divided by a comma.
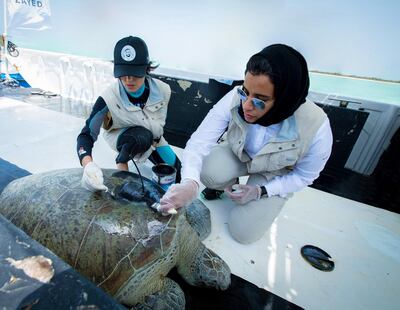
[(257, 103)]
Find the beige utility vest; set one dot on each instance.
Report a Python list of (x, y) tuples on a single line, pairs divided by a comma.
[(152, 116), (278, 156)]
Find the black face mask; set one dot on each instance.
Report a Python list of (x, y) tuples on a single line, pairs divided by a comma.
[(290, 79)]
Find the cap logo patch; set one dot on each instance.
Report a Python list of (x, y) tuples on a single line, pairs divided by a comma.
[(128, 53), (81, 151)]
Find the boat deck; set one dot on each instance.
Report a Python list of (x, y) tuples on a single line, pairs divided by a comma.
[(363, 241)]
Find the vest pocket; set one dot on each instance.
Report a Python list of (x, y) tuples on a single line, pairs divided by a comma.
[(156, 111), (280, 160), (155, 106), (274, 161)]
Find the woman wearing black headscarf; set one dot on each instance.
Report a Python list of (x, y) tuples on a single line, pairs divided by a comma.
[(276, 136)]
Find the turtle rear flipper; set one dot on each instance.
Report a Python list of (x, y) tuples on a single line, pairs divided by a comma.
[(198, 265), (170, 297), (207, 269)]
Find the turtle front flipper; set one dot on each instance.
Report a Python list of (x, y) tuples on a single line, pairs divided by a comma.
[(200, 266), (170, 297), (198, 216)]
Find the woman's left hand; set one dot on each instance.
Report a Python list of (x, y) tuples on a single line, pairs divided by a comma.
[(243, 194)]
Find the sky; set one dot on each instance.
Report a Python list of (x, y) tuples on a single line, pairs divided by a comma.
[(217, 37)]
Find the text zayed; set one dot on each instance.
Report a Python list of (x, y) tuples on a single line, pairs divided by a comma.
[(38, 4)]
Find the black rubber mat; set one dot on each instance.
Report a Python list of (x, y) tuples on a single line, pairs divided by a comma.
[(239, 296), (66, 290), (10, 172)]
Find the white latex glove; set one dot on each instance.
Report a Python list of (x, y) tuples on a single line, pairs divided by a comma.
[(179, 195), (242, 194), (92, 178)]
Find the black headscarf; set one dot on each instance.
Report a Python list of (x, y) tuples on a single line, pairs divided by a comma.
[(290, 79)]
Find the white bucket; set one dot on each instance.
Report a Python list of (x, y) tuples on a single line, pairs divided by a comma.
[(164, 175)]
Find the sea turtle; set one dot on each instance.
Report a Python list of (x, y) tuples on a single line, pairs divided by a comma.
[(115, 239)]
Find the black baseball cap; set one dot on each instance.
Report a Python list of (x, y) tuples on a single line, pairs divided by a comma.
[(131, 57)]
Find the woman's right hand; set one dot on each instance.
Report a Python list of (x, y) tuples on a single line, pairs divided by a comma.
[(179, 195)]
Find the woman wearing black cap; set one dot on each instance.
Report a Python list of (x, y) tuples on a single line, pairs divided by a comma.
[(132, 111), (276, 136)]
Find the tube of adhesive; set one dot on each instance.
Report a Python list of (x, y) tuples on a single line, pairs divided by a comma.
[(111, 193), (156, 206)]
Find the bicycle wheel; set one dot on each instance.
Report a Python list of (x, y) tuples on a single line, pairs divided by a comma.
[(12, 49)]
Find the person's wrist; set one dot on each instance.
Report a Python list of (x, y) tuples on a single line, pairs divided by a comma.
[(86, 160), (191, 181)]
